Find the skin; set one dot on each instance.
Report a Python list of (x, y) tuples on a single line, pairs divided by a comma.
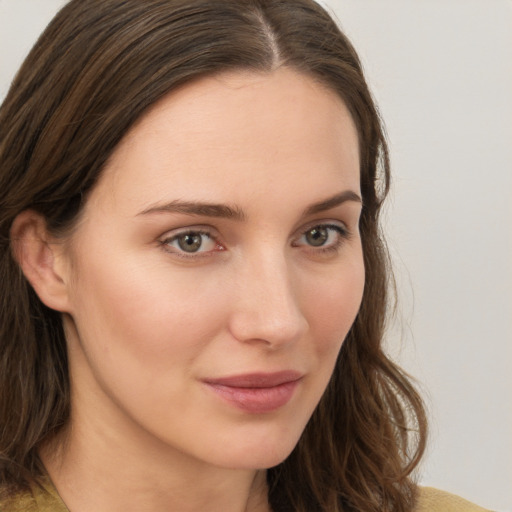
[(147, 322)]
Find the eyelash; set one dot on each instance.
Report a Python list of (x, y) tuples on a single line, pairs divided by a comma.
[(342, 236), (341, 232), (193, 232)]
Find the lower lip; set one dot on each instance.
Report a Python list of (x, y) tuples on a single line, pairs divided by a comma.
[(256, 400)]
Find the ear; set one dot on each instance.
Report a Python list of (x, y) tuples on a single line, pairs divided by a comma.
[(41, 258)]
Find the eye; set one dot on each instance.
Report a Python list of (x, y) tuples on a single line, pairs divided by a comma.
[(323, 236), (191, 242), (317, 236)]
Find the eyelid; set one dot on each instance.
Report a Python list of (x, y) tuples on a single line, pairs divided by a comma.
[(325, 223), (203, 229), (173, 235), (340, 227)]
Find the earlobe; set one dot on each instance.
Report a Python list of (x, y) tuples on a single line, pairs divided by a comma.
[(39, 255)]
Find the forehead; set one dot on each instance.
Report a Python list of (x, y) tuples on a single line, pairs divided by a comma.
[(211, 136)]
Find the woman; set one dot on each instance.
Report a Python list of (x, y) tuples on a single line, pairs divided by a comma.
[(191, 191)]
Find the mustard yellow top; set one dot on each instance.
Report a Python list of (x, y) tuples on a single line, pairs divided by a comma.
[(46, 499), (434, 500)]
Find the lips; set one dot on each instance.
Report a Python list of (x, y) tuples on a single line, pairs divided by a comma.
[(256, 392)]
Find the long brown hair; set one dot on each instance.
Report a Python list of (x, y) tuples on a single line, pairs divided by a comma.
[(96, 69)]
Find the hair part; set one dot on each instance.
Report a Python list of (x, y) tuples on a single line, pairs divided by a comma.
[(97, 68)]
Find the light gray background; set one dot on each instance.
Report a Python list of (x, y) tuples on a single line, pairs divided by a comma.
[(441, 71)]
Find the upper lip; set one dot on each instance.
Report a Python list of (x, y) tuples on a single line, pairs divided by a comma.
[(256, 380)]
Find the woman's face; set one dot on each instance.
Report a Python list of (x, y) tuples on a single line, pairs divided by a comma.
[(217, 269)]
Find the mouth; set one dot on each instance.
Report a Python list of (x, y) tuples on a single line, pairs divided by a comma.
[(256, 393)]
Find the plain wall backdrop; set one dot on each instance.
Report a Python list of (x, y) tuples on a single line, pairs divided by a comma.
[(441, 71)]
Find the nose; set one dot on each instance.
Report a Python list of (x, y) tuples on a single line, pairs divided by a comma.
[(267, 309)]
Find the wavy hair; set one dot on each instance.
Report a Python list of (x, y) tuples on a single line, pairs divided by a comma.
[(93, 73)]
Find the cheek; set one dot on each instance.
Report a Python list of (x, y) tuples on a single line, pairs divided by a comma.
[(141, 331), (332, 306), (333, 303), (146, 310)]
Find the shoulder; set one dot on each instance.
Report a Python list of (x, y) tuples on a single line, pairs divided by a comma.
[(17, 500), (40, 497), (433, 500)]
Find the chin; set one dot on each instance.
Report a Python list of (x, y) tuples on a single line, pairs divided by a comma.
[(256, 452), (256, 460)]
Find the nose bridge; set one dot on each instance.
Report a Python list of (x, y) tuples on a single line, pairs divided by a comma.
[(268, 308)]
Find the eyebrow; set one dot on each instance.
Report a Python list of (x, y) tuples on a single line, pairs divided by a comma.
[(332, 202), (198, 208), (234, 213)]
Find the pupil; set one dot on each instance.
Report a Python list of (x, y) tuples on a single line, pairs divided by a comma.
[(317, 236), (190, 243)]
